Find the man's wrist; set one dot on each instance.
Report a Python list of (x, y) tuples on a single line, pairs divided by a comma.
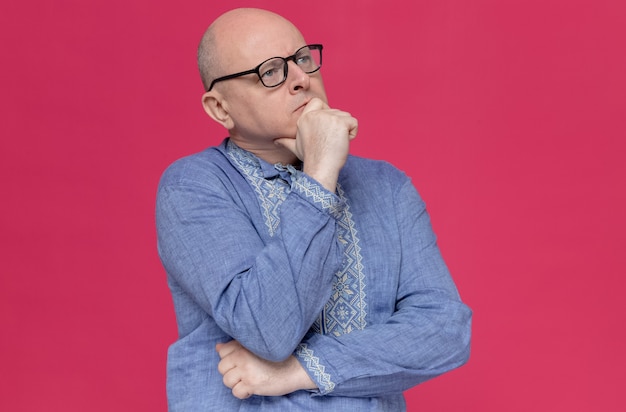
[(300, 376)]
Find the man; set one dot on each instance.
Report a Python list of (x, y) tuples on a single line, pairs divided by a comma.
[(302, 278)]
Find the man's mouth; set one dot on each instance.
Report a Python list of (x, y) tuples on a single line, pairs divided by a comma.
[(302, 106)]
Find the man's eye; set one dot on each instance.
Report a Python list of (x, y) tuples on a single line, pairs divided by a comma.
[(272, 69), (303, 60), (269, 73)]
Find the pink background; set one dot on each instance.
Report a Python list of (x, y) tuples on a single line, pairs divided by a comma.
[(509, 116)]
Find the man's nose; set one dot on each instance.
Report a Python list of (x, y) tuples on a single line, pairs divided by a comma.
[(296, 77)]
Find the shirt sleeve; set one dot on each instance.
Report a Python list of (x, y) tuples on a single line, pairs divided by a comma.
[(427, 335), (263, 293)]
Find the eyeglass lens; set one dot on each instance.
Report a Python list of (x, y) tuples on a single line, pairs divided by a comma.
[(274, 71)]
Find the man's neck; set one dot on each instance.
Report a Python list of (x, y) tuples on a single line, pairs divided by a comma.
[(272, 155)]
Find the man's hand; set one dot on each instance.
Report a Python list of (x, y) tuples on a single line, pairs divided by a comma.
[(322, 141), (246, 374)]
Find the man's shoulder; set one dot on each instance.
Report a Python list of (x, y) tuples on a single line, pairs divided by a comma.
[(197, 168), (361, 167)]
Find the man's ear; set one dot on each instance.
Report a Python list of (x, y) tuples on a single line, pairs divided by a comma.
[(216, 107)]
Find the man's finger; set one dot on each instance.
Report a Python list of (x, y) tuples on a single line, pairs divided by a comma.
[(241, 390), (231, 378), (353, 128), (315, 104), (223, 349)]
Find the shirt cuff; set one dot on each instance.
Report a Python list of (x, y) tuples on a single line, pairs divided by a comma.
[(310, 189), (315, 370)]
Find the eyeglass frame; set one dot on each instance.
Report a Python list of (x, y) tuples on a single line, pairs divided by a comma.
[(285, 59)]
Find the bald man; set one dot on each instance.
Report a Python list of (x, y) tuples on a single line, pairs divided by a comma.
[(303, 278)]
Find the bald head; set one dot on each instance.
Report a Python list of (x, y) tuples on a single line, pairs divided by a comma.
[(234, 34)]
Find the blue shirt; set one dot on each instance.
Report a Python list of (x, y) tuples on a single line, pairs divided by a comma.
[(352, 283)]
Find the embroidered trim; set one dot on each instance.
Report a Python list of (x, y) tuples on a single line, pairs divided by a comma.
[(271, 194), (313, 364), (345, 311), (315, 192)]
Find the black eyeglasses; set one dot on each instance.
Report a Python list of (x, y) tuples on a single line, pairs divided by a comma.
[(273, 72)]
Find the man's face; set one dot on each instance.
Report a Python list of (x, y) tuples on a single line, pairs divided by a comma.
[(261, 114)]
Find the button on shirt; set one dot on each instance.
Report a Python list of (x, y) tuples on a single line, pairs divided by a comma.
[(352, 283)]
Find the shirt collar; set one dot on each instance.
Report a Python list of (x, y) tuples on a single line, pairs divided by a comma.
[(256, 165)]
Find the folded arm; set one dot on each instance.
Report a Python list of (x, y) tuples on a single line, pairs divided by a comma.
[(427, 334), (263, 292)]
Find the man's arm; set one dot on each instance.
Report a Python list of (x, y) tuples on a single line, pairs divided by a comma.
[(263, 293), (427, 335), (262, 290)]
